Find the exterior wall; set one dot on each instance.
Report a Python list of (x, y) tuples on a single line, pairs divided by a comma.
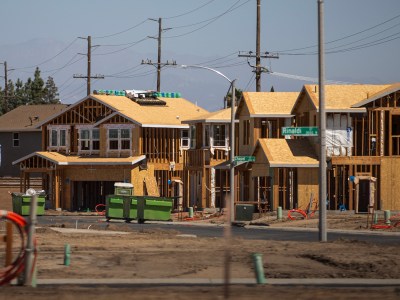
[(307, 184), (28, 142), (390, 187)]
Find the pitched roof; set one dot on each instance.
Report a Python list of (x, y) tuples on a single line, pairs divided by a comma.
[(220, 116), (270, 104), (289, 153), (60, 159), (342, 97), (171, 114), (391, 89), (27, 117)]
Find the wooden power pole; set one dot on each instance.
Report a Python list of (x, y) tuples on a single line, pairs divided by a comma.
[(88, 77), (158, 65), (258, 69)]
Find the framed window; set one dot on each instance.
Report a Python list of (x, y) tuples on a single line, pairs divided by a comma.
[(246, 132), (185, 138), (192, 136), (119, 139), (89, 139), (15, 139), (219, 135), (207, 135), (95, 139), (58, 137)]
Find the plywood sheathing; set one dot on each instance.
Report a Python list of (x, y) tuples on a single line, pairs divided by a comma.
[(270, 103), (343, 96), (175, 110), (288, 153), (390, 187)]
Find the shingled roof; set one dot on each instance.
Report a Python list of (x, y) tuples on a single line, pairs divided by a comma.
[(27, 117)]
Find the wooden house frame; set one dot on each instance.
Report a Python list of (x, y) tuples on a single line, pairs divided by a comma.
[(207, 159), (261, 117), (369, 116), (103, 139)]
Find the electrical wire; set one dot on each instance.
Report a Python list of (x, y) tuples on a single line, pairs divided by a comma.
[(342, 38), (250, 82), (190, 11), (120, 32), (49, 59), (116, 51), (209, 21)]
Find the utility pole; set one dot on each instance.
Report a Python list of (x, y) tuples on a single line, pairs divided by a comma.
[(158, 65), (5, 101), (322, 123), (89, 59), (5, 104), (257, 68)]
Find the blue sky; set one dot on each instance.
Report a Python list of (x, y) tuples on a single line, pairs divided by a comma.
[(363, 38)]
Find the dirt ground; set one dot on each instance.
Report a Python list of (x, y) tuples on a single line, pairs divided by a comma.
[(158, 254)]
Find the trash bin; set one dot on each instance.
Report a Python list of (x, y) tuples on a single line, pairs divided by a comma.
[(157, 208), (115, 207), (21, 204)]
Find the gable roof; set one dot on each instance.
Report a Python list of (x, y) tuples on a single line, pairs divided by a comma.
[(288, 153), (340, 98), (391, 89), (169, 115), (60, 159), (270, 104), (220, 116), (27, 117)]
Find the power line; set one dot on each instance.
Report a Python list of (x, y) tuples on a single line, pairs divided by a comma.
[(120, 32), (190, 11), (49, 59), (342, 38), (209, 21), (119, 50), (362, 46)]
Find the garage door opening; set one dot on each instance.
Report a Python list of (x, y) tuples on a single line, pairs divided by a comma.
[(87, 194)]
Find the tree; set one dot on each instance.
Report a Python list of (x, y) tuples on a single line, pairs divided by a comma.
[(37, 89), (32, 92), (51, 92), (238, 97)]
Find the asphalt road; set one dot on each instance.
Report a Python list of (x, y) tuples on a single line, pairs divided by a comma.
[(209, 230)]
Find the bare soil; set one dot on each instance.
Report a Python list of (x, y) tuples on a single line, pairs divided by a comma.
[(162, 254)]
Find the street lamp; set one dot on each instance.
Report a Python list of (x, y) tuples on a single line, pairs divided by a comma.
[(229, 208)]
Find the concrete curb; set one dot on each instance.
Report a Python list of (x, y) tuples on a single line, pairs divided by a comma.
[(214, 281)]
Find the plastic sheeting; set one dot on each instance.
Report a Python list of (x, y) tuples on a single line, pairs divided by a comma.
[(339, 136)]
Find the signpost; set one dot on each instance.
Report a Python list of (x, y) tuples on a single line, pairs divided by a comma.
[(300, 131), (244, 158)]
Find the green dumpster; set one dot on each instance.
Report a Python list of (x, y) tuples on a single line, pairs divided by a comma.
[(115, 207), (21, 204), (157, 208), (132, 208)]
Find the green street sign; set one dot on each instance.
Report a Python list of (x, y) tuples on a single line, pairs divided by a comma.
[(244, 158), (300, 131)]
